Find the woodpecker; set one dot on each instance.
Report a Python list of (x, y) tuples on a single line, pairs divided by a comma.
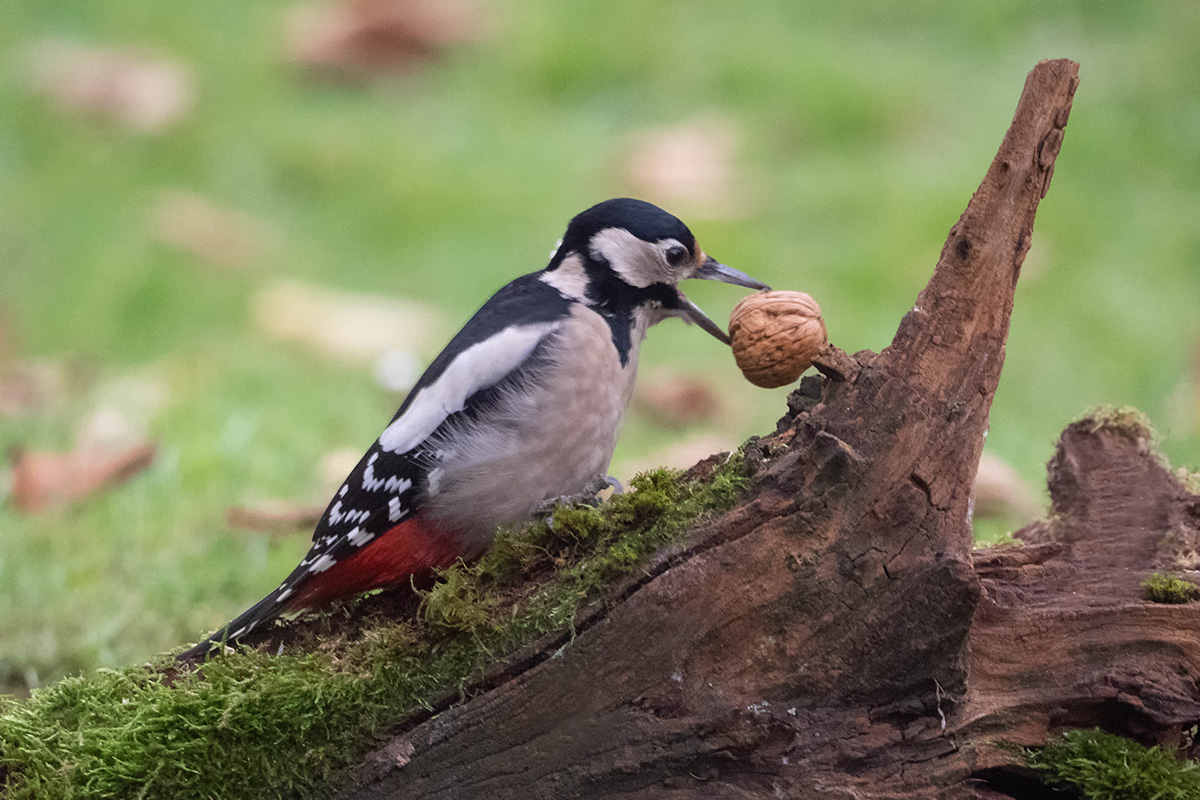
[(521, 407)]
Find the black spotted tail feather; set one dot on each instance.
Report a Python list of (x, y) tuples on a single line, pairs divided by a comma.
[(411, 549)]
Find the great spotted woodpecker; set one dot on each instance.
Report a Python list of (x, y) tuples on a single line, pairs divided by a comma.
[(521, 407)]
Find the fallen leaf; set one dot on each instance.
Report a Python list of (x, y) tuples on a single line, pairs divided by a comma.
[(31, 387), (1183, 401), (1196, 389), (334, 466), (216, 235), (678, 401), (275, 517), (680, 455), (145, 93), (8, 337), (397, 370), (690, 168), (42, 480), (123, 408), (344, 325), (1000, 492), (361, 38)]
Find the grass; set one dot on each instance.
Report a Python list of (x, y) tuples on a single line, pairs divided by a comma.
[(865, 126), (1103, 766), (254, 725)]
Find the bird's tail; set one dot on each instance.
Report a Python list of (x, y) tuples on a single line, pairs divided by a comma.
[(261, 613), (414, 548)]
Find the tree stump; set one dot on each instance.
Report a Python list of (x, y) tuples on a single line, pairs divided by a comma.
[(834, 636)]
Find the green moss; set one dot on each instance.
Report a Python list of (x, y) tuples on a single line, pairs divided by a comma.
[(1163, 588), (455, 603), (252, 724), (992, 531), (1127, 420), (1102, 766)]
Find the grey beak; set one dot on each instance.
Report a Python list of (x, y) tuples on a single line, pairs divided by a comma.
[(713, 270)]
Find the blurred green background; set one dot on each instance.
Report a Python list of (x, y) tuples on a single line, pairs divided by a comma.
[(856, 132)]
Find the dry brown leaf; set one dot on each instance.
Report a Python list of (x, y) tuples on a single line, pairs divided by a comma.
[(361, 38), (680, 455), (691, 168), (1000, 492), (678, 401), (1193, 379), (145, 93), (30, 387), (122, 410), (276, 517), (42, 480), (334, 466), (220, 236), (8, 346), (344, 325)]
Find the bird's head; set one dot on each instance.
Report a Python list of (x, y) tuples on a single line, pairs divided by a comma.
[(626, 255)]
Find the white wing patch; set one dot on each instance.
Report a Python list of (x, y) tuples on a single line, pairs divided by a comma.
[(351, 516), (358, 537), (392, 484), (323, 563), (478, 367)]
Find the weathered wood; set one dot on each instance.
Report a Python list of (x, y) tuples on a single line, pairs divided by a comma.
[(1064, 638), (831, 637)]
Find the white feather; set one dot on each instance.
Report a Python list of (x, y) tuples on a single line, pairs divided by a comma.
[(570, 278), (323, 563), (358, 537), (474, 369)]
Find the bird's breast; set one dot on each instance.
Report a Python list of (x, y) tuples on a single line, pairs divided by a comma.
[(550, 435)]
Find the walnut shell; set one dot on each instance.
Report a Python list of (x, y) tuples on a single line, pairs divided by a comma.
[(775, 336)]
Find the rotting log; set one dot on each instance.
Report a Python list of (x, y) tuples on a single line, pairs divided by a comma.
[(834, 635)]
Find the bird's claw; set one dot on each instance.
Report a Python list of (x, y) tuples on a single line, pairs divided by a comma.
[(589, 495)]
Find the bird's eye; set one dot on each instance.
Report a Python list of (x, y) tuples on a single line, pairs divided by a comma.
[(676, 255)]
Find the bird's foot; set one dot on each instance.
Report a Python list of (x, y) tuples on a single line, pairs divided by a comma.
[(589, 495)]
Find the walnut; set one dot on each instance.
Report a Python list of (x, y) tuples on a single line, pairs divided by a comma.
[(775, 336)]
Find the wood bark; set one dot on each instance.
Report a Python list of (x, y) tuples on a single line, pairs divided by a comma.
[(834, 636)]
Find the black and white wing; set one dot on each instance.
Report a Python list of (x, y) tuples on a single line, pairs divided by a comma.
[(391, 481)]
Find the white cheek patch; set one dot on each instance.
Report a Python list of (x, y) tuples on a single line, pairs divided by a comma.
[(474, 369), (638, 263)]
